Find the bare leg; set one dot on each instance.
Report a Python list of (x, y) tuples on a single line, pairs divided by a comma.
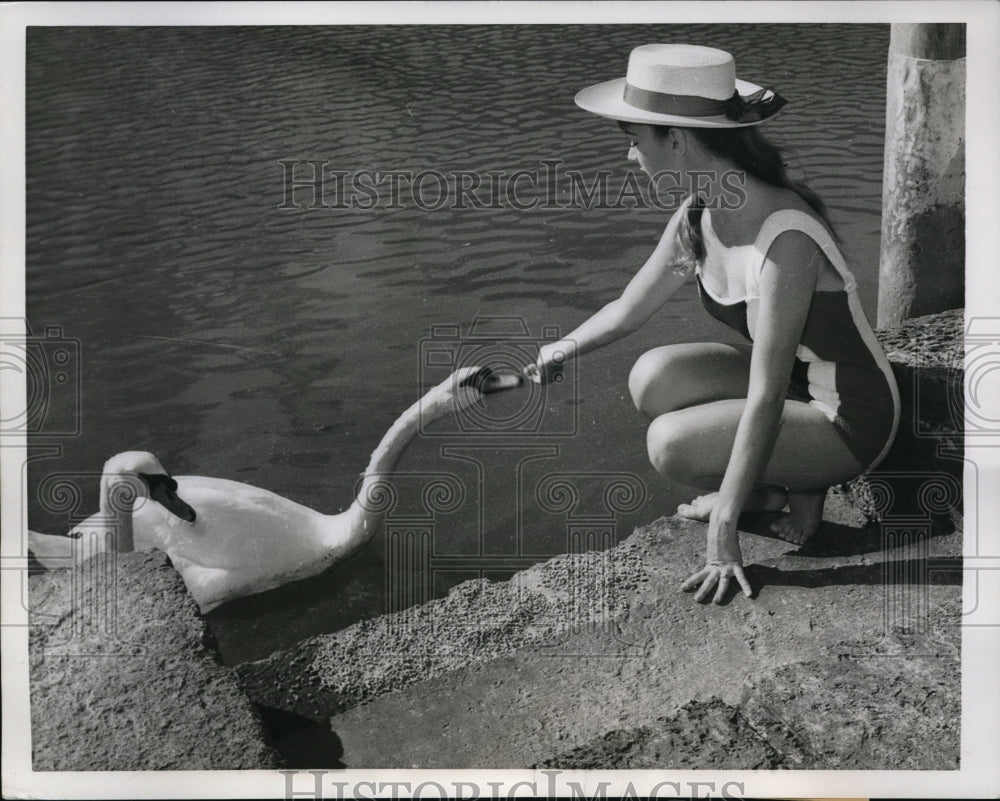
[(693, 446), (691, 377), (675, 377)]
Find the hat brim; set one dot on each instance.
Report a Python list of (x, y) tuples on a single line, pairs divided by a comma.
[(607, 99)]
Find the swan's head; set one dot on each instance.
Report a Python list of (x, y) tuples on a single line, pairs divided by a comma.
[(154, 481), (464, 388)]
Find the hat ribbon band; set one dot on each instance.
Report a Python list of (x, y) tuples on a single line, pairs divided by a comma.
[(753, 108), (683, 105)]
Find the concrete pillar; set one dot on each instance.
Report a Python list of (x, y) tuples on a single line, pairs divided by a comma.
[(922, 265)]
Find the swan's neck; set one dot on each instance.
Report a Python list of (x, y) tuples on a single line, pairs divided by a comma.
[(367, 511), (118, 497)]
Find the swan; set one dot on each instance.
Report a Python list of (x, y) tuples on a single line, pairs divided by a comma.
[(239, 539)]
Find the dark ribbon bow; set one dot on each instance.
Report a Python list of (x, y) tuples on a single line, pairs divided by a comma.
[(753, 108)]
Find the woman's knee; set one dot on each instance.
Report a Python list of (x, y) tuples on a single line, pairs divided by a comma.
[(668, 444), (674, 377), (646, 381)]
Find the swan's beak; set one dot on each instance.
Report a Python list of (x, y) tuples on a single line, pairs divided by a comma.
[(487, 382), (163, 490)]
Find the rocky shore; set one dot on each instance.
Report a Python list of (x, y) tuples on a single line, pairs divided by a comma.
[(124, 675), (848, 656)]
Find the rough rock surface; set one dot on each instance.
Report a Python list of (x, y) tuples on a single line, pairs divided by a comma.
[(804, 716), (844, 638), (854, 633), (933, 342), (699, 736), (477, 621), (121, 678), (848, 656)]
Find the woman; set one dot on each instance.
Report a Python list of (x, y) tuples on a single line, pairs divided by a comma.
[(810, 401)]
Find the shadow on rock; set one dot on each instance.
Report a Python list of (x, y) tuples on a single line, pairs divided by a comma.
[(303, 742), (836, 539), (941, 571)]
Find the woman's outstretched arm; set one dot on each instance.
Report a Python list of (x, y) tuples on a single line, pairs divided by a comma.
[(787, 282), (652, 286)]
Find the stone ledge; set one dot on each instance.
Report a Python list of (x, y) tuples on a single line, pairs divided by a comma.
[(531, 692), (122, 678), (399, 665), (847, 615), (476, 622), (803, 716), (934, 342)]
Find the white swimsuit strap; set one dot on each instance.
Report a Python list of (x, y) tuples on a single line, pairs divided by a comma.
[(793, 220)]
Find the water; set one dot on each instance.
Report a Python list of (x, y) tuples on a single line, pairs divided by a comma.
[(234, 338)]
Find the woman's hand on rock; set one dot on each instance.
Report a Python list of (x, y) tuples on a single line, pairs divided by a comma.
[(717, 574), (725, 560)]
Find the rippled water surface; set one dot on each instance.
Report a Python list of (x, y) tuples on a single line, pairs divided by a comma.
[(239, 339)]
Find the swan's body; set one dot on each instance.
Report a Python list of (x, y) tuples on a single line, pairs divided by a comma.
[(245, 540)]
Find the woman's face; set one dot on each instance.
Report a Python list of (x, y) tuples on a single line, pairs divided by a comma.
[(648, 147)]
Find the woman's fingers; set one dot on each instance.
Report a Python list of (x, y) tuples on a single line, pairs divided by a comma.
[(695, 579), (706, 586), (741, 577), (544, 372), (720, 593), (721, 575)]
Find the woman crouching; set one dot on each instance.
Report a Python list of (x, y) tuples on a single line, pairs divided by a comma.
[(810, 401)]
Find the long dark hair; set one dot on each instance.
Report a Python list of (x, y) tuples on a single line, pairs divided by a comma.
[(749, 150)]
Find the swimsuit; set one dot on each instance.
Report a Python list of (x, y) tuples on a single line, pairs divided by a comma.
[(840, 367)]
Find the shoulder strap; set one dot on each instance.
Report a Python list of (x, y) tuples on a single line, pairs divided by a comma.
[(793, 220)]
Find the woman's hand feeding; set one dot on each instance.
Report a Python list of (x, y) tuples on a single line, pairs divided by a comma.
[(549, 367)]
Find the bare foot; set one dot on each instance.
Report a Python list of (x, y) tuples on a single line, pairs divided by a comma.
[(805, 512), (762, 499)]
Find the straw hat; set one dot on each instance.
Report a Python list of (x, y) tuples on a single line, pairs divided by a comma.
[(684, 85)]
